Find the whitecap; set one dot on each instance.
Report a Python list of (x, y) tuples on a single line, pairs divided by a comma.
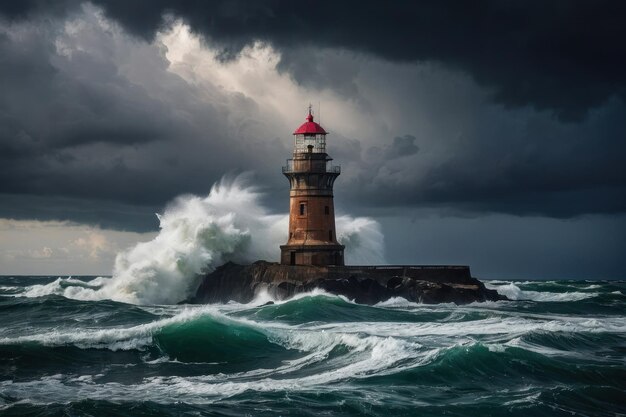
[(115, 338), (513, 292), (397, 302)]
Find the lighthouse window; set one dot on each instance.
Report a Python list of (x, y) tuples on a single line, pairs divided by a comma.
[(326, 210), (302, 209)]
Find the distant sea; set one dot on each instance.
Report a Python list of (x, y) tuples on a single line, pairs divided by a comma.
[(557, 349)]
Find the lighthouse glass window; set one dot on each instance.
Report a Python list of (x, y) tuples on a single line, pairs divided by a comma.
[(299, 145), (318, 142)]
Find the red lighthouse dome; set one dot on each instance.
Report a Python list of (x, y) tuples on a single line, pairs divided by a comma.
[(310, 127)]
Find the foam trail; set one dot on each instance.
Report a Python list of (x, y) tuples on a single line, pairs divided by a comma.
[(197, 235), (514, 292)]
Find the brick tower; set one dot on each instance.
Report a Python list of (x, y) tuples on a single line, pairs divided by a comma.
[(312, 237)]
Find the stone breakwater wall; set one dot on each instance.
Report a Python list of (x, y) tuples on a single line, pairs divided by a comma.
[(363, 284)]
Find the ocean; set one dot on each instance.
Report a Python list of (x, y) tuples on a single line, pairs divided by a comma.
[(557, 349)]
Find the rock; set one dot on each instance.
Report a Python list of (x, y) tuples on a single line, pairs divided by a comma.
[(363, 284)]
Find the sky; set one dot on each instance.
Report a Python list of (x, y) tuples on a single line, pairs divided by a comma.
[(485, 133)]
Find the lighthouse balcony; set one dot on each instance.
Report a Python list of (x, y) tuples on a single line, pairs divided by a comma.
[(321, 167)]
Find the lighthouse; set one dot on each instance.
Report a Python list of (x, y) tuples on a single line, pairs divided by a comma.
[(311, 175)]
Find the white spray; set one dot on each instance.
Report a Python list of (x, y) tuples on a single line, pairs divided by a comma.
[(198, 234)]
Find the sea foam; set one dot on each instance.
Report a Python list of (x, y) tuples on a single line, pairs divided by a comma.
[(514, 292)]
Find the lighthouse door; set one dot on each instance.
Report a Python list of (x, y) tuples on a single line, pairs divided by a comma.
[(293, 258)]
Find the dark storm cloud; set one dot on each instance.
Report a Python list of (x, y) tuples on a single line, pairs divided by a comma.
[(26, 8), (49, 114), (399, 147), (97, 120), (540, 168), (81, 139), (567, 56)]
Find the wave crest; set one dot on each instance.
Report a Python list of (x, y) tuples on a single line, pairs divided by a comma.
[(513, 292)]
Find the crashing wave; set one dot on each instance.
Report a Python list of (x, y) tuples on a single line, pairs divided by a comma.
[(197, 234)]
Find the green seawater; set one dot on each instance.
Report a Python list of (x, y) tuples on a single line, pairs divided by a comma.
[(558, 349)]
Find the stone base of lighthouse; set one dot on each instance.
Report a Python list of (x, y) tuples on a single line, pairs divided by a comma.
[(312, 254)]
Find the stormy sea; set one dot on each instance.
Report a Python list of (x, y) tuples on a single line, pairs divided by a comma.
[(127, 344), (558, 348)]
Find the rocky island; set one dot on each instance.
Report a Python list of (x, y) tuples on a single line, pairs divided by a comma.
[(362, 284), (314, 258)]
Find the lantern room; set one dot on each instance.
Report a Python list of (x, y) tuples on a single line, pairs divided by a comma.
[(309, 137)]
